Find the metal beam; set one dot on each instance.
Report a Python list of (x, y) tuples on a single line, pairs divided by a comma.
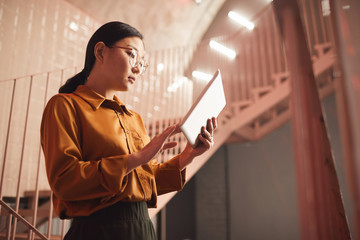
[(322, 214)]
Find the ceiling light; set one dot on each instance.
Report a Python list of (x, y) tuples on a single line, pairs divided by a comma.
[(73, 26), (222, 49), (201, 75), (239, 19), (174, 86), (160, 67)]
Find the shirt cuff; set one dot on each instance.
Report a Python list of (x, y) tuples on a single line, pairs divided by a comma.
[(169, 177)]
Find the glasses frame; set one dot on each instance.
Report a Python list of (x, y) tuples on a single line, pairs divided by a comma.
[(133, 61)]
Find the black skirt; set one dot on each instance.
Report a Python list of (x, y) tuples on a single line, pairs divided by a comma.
[(123, 220)]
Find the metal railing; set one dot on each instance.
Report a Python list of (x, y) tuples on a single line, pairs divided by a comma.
[(162, 97)]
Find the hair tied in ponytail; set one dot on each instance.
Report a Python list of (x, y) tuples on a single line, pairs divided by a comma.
[(72, 83)]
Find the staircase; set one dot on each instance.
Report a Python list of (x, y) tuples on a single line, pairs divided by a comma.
[(252, 120), (257, 92)]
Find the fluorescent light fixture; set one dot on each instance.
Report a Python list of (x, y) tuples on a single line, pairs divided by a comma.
[(325, 5), (222, 49), (173, 87), (201, 75), (74, 26), (160, 67), (239, 19)]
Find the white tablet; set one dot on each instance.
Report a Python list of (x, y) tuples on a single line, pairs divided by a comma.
[(209, 104)]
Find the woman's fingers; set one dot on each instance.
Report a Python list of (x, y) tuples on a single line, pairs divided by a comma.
[(206, 141), (169, 131), (168, 145), (209, 126), (214, 123), (177, 130), (159, 143)]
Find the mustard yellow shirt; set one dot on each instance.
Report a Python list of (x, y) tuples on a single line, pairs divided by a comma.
[(86, 141)]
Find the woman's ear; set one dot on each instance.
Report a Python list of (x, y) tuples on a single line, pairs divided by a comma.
[(98, 51)]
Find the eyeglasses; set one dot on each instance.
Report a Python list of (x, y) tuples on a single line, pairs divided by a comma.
[(133, 59)]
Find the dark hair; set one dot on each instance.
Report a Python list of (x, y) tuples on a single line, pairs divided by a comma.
[(109, 33)]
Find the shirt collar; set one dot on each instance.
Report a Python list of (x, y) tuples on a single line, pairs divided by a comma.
[(95, 100)]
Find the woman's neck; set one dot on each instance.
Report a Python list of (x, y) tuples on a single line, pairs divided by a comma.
[(99, 87)]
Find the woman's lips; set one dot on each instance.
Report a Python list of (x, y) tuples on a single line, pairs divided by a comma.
[(131, 80)]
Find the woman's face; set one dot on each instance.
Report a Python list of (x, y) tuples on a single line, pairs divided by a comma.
[(118, 71)]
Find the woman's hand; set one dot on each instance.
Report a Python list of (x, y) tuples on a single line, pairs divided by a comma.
[(153, 148), (206, 141)]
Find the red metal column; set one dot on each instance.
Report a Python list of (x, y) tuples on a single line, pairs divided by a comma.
[(322, 214), (346, 35)]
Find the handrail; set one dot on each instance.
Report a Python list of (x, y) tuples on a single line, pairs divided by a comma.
[(23, 220), (39, 73)]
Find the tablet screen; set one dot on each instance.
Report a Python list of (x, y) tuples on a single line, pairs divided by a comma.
[(209, 104)]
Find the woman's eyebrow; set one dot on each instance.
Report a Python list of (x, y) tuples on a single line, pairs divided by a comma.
[(129, 45)]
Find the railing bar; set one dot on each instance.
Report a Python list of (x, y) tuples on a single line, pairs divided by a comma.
[(234, 79), (146, 96), (251, 78), (255, 60), (177, 99), (50, 217), (284, 58), (166, 78), (63, 229), (247, 76), (258, 66), (322, 23), (315, 27), (306, 20), (263, 52), (8, 224), (176, 93), (160, 58), (240, 72), (169, 55), (270, 49), (276, 43), (36, 201), (180, 94), (151, 96), (155, 93), (30, 235), (23, 220), (17, 202), (186, 57), (7, 140)]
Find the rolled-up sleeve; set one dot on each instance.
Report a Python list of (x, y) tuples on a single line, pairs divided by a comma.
[(168, 176), (71, 177)]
